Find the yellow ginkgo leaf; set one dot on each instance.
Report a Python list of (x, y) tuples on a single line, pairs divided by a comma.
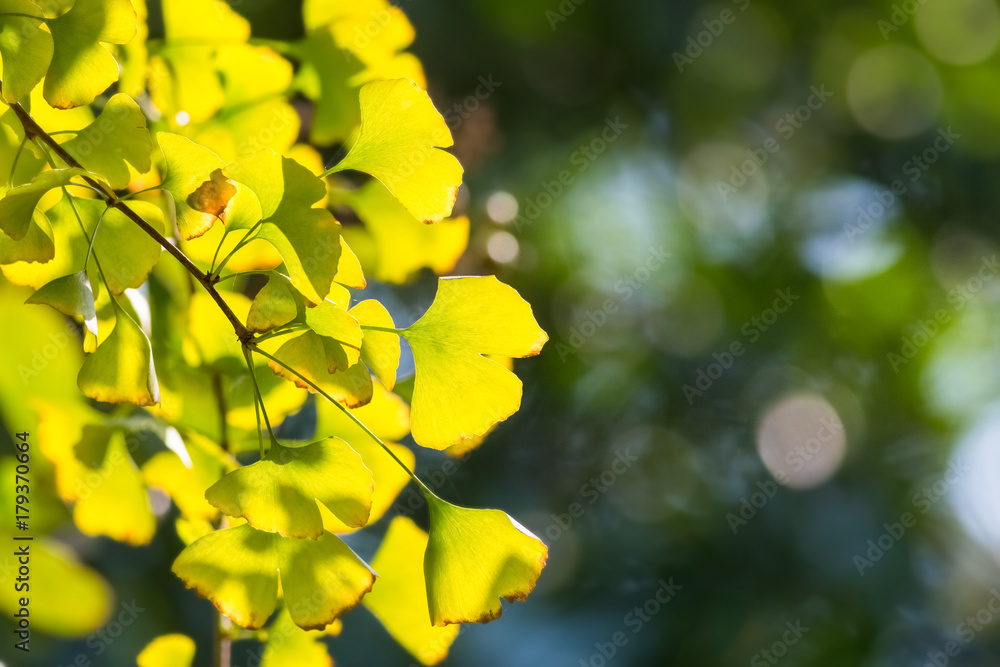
[(111, 498), (121, 370), (310, 355), (168, 651), (400, 599), (237, 569), (475, 557), (400, 144), (278, 494), (458, 393), (402, 246), (81, 66)]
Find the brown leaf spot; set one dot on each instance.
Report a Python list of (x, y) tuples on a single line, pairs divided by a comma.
[(213, 195)]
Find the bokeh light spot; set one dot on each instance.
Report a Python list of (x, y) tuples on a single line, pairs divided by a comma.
[(894, 92), (801, 440)]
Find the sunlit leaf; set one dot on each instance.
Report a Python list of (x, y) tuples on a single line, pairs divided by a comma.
[(379, 349), (475, 557), (458, 393), (273, 306), (25, 48), (116, 137), (307, 238), (309, 354), (402, 246), (82, 67), (36, 245), (168, 651), (400, 144), (127, 254), (237, 569), (71, 295), (278, 494), (189, 166), (341, 334), (134, 56), (18, 205), (399, 600), (121, 370)]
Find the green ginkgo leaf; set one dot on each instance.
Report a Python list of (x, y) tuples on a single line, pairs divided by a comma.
[(341, 334), (168, 651), (121, 370), (475, 557), (71, 295), (307, 238), (278, 494), (458, 393), (127, 254), (379, 349), (237, 569), (82, 67), (25, 48), (35, 246), (116, 137), (18, 205), (400, 599), (273, 306), (400, 144)]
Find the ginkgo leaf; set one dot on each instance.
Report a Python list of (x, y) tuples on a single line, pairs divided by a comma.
[(458, 393), (168, 651), (307, 238), (475, 557), (18, 205), (116, 137), (400, 144), (379, 349), (25, 48), (341, 334), (309, 354), (349, 270), (36, 245), (189, 166), (121, 370), (237, 569), (111, 498), (290, 646), (82, 67), (274, 306), (71, 295), (400, 599), (278, 494), (126, 252), (402, 246)]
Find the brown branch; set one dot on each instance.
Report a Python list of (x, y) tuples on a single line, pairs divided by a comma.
[(33, 130)]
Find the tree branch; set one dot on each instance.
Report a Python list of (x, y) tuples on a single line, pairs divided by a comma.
[(32, 129)]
